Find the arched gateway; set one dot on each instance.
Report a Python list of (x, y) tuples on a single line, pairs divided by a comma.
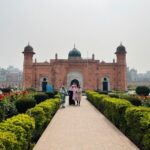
[(74, 77), (89, 72)]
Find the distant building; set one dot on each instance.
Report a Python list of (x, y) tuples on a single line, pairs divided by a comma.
[(89, 73), (133, 75), (137, 79), (10, 77)]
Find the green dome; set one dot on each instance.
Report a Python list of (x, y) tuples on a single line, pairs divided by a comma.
[(28, 48), (121, 49), (74, 53)]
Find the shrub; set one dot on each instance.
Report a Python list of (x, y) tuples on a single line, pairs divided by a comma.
[(96, 99), (114, 110), (146, 140), (133, 99), (8, 141), (42, 114), (25, 103), (57, 96), (146, 103), (40, 118), (113, 95), (2, 114), (142, 90), (50, 94), (22, 126), (103, 92), (39, 115), (40, 97), (138, 122), (50, 106), (25, 121), (31, 89), (8, 108), (134, 121), (6, 90), (17, 130)]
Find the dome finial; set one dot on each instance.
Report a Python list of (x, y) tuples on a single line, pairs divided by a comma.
[(28, 43), (121, 43), (74, 45)]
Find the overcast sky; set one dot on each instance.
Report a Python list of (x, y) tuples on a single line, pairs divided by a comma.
[(95, 26)]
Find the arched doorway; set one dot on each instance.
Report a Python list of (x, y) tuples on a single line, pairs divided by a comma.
[(74, 77), (105, 84), (44, 83)]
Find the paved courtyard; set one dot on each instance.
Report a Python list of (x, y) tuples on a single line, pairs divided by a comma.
[(82, 128)]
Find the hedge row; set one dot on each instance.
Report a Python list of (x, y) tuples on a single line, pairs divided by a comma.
[(133, 121), (138, 123), (131, 98), (43, 113), (16, 132)]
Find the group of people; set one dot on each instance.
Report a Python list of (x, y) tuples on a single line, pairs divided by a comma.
[(74, 93)]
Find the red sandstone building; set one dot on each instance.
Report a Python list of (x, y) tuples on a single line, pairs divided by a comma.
[(91, 73)]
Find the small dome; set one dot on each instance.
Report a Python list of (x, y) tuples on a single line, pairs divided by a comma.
[(28, 48), (121, 49), (74, 53)]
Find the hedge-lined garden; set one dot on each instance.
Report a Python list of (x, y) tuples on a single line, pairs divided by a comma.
[(32, 114), (134, 121)]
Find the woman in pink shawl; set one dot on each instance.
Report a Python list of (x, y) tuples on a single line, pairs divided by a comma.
[(74, 89)]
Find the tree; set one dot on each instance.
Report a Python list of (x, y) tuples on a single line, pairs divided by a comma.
[(142, 90)]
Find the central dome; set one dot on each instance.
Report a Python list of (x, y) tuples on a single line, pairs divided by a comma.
[(74, 53)]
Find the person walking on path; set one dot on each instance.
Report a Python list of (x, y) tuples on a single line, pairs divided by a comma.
[(63, 94), (79, 95), (74, 89), (70, 93)]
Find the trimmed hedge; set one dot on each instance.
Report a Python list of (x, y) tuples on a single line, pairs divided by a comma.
[(40, 119), (18, 132), (138, 122), (8, 141), (43, 113), (40, 97), (50, 94), (114, 109), (20, 128), (2, 114), (133, 99), (133, 121), (24, 103)]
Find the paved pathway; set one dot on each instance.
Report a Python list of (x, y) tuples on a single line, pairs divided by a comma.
[(82, 128)]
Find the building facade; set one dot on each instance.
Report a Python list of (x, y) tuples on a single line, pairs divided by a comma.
[(90, 73)]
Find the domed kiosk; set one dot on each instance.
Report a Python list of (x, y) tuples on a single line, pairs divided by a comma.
[(28, 49), (121, 49)]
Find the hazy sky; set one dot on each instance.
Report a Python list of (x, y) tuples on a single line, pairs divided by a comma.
[(95, 26)]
